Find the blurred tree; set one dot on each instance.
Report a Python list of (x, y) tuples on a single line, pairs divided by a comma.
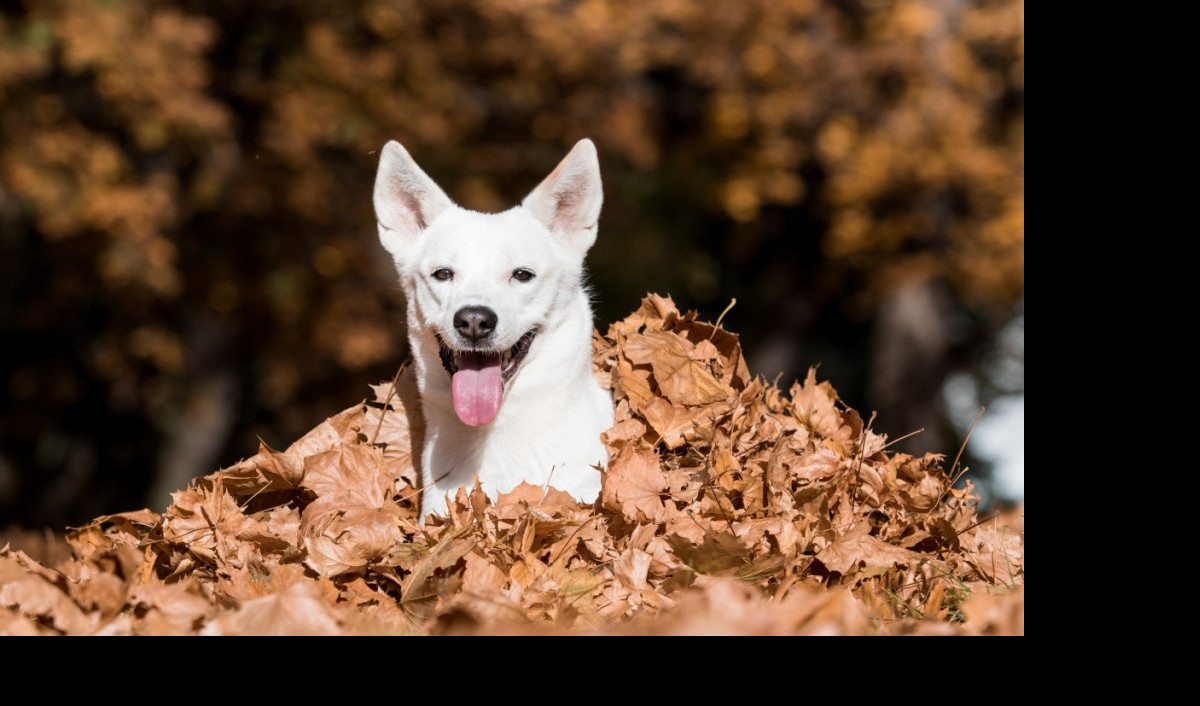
[(188, 257)]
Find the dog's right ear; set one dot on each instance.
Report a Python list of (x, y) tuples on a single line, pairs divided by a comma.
[(406, 199)]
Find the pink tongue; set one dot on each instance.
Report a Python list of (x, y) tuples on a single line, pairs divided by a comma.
[(477, 388)]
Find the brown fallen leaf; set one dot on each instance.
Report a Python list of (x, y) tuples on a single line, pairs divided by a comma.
[(856, 546), (996, 552), (40, 595), (346, 540), (995, 612), (814, 404), (681, 378), (297, 610), (13, 624), (727, 508), (170, 609), (353, 521), (210, 524), (633, 384), (668, 421), (634, 484)]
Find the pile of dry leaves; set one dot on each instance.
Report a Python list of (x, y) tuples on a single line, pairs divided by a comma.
[(728, 507)]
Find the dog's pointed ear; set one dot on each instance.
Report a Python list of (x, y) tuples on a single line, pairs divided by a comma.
[(406, 199), (568, 201)]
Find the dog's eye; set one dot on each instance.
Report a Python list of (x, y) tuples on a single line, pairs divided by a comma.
[(522, 275), (443, 274)]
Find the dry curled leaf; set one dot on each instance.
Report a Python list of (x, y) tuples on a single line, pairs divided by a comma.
[(856, 548), (681, 377), (296, 610), (634, 486), (727, 507), (353, 520)]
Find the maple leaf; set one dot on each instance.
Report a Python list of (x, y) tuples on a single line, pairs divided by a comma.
[(704, 482), (995, 552), (237, 585), (668, 421), (274, 470), (633, 485), (814, 405), (482, 577), (348, 475), (656, 306), (634, 384), (296, 610), (626, 428), (816, 466), (632, 568), (106, 532), (208, 522), (170, 608), (429, 571), (718, 553), (856, 546), (346, 540), (40, 594), (681, 378), (353, 521), (992, 612), (396, 426), (721, 346)]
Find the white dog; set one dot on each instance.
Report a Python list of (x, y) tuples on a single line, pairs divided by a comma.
[(500, 328)]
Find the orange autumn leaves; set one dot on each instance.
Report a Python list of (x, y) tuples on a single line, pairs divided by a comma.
[(724, 499)]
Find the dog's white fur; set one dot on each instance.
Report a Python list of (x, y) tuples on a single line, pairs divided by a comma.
[(553, 411)]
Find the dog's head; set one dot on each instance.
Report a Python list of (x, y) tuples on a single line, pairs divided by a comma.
[(482, 287)]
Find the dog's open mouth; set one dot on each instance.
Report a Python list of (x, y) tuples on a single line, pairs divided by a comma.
[(477, 377)]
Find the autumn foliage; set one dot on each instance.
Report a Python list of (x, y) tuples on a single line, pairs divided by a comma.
[(729, 506), (185, 195)]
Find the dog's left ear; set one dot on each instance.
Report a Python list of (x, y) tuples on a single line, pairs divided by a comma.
[(568, 201)]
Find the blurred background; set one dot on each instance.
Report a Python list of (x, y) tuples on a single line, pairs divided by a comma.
[(188, 257)]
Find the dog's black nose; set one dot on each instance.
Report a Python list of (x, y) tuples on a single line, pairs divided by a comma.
[(475, 323)]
